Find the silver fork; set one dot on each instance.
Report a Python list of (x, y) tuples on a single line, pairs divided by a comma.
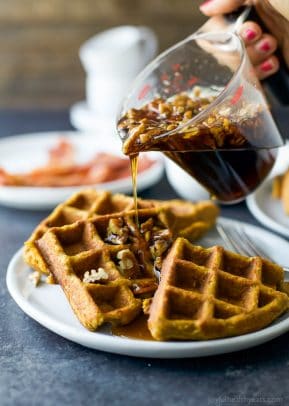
[(239, 241)]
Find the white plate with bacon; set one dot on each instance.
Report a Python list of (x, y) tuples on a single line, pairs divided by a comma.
[(40, 170)]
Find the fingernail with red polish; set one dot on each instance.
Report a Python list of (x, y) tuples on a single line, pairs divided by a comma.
[(266, 66), (250, 34), (265, 46), (204, 5)]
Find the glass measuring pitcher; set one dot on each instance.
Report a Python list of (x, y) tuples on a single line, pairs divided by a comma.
[(201, 104)]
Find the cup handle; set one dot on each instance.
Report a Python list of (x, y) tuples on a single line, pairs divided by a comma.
[(148, 44)]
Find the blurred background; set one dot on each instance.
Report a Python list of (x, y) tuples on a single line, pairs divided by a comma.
[(40, 40)]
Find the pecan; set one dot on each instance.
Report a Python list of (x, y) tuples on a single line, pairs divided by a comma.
[(158, 265), (147, 236), (144, 137), (146, 305), (188, 115), (144, 289), (35, 278), (50, 279), (159, 247), (171, 127), (117, 232), (162, 240), (93, 276), (127, 265), (147, 226), (197, 91), (164, 108)]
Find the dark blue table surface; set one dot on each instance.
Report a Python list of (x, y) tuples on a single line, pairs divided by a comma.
[(37, 367)]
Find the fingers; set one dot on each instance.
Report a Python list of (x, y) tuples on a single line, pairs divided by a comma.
[(267, 68), (250, 32), (215, 7), (260, 47)]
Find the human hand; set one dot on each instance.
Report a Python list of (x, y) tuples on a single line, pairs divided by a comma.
[(261, 46)]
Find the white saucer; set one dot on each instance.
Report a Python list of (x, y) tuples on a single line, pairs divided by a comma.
[(85, 119), (47, 305), (22, 153), (263, 207), (267, 210)]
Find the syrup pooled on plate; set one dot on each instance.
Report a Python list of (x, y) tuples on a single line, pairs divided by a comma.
[(137, 329), (227, 155)]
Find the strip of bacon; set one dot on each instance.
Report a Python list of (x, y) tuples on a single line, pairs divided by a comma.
[(62, 154), (61, 169)]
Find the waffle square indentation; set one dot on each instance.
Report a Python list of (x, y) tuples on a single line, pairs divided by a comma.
[(240, 266), (183, 307), (190, 277)]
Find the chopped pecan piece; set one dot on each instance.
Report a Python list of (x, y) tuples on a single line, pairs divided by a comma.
[(158, 266), (50, 280), (128, 264), (147, 226), (94, 276), (117, 232), (162, 240), (144, 289), (35, 278), (147, 305)]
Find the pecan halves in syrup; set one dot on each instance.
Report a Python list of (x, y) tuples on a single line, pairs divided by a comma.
[(117, 232), (144, 289), (141, 127), (161, 242), (128, 264)]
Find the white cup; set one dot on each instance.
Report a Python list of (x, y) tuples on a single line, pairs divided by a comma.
[(104, 93), (111, 60), (186, 186)]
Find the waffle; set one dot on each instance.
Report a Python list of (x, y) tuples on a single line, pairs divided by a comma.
[(81, 206), (213, 293), (186, 219), (106, 264), (190, 220), (280, 190)]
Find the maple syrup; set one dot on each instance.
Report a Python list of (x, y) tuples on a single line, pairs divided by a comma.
[(134, 168), (229, 176), (138, 329)]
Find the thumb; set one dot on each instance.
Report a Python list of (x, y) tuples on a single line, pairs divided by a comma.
[(215, 7)]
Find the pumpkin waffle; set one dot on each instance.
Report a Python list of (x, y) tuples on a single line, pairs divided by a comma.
[(190, 220), (81, 206), (280, 190), (186, 219), (105, 264), (213, 293)]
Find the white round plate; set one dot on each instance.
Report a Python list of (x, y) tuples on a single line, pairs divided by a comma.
[(25, 152), (47, 305), (267, 210)]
